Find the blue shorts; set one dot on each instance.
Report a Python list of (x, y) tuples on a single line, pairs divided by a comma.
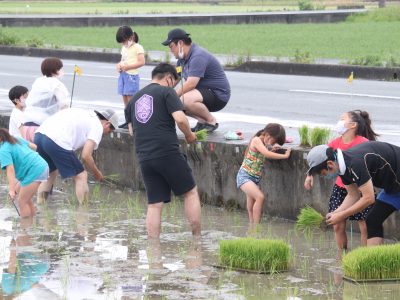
[(391, 199), (65, 161), (243, 177), (128, 84)]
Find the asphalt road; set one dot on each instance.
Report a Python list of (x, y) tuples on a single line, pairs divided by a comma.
[(256, 98)]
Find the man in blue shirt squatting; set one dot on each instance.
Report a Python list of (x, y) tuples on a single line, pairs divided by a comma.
[(206, 88)]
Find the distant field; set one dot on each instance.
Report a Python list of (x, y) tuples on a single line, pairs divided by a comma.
[(347, 40), (102, 7)]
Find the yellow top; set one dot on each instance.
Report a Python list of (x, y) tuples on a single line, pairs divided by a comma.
[(129, 56)]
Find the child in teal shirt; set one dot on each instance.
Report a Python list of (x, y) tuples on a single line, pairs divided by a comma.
[(22, 165)]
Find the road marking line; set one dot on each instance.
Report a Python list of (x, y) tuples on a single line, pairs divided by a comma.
[(345, 94), (71, 74)]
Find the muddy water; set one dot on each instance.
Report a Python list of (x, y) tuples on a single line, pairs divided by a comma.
[(100, 251)]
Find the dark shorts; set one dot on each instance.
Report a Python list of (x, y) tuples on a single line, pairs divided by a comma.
[(337, 197), (210, 100), (161, 175), (65, 161)]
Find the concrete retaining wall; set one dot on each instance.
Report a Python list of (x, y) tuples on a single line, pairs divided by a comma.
[(177, 19), (215, 166), (341, 71)]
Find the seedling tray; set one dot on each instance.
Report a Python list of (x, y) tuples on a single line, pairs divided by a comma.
[(357, 281)]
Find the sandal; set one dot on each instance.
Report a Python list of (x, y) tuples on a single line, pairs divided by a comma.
[(197, 127), (210, 127)]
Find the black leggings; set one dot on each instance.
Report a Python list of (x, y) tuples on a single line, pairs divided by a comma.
[(378, 214)]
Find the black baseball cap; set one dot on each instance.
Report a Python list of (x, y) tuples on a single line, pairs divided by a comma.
[(175, 34)]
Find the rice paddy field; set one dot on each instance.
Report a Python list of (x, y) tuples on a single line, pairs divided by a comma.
[(373, 41), (100, 251)]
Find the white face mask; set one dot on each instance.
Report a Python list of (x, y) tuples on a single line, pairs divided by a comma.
[(60, 74), (22, 101), (180, 53), (340, 127), (128, 44)]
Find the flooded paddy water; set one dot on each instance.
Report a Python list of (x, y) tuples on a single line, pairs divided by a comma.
[(101, 251)]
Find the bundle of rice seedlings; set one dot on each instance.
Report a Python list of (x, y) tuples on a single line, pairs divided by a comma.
[(259, 255), (319, 136), (304, 135), (373, 263), (201, 135), (112, 179), (309, 219)]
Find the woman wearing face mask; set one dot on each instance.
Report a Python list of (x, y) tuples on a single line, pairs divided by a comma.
[(132, 58), (354, 127), (47, 96)]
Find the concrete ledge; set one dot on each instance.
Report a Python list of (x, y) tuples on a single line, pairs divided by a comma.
[(215, 165), (343, 71), (177, 19)]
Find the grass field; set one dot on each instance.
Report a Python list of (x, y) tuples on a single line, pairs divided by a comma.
[(103, 7), (340, 40)]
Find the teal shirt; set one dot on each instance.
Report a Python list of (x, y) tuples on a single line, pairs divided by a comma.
[(28, 164)]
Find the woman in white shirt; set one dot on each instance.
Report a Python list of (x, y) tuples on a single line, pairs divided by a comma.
[(47, 96)]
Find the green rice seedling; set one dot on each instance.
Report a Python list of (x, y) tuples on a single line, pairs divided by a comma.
[(201, 135), (373, 263), (309, 219), (319, 136), (304, 135), (259, 255)]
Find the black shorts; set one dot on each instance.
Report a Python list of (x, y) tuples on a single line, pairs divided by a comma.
[(210, 100), (161, 175)]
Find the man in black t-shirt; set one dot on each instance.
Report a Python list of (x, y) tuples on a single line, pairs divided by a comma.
[(363, 167), (151, 114)]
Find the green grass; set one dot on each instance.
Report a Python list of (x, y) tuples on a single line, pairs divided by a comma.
[(387, 14), (108, 7), (319, 136), (254, 254), (369, 263), (341, 40), (56, 7), (304, 135), (309, 219)]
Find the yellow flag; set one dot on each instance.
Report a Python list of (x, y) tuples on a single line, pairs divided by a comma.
[(179, 69), (77, 70), (350, 79)]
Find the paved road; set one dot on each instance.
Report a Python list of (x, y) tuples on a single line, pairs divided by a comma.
[(256, 98)]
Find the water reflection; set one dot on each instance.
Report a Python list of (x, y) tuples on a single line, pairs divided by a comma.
[(101, 251)]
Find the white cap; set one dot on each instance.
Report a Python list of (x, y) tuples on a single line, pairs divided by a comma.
[(110, 115), (316, 156)]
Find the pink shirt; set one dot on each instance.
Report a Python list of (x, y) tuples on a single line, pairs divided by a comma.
[(338, 144)]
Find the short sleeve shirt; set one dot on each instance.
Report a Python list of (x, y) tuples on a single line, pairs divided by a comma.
[(28, 164), (150, 112), (130, 56), (200, 63), (70, 128), (16, 121), (377, 161), (339, 144)]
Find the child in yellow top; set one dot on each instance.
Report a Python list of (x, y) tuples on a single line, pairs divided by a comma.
[(132, 58)]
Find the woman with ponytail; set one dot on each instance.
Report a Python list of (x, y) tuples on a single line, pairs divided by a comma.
[(354, 127), (25, 170)]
